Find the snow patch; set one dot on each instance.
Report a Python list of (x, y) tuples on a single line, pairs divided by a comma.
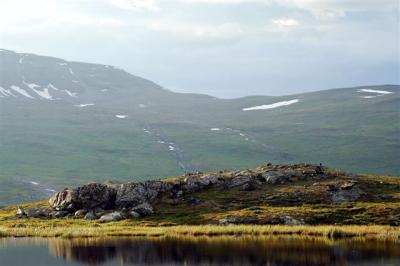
[(215, 129), (369, 97), (161, 141), (121, 116), (34, 183), (84, 105), (271, 106), (72, 94), (104, 90), (6, 92), (71, 72), (44, 94), (375, 91), (142, 105), (21, 91), (50, 190), (51, 86), (171, 148), (62, 64), (31, 85)]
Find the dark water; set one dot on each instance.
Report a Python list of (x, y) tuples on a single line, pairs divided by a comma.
[(196, 251)]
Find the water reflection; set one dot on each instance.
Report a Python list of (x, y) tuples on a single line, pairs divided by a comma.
[(218, 251)]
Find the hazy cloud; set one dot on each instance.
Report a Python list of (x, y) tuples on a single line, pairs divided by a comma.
[(221, 47)]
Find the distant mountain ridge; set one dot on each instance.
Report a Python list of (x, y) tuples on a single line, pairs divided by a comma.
[(64, 123)]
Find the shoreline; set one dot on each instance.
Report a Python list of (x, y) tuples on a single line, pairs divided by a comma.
[(121, 229)]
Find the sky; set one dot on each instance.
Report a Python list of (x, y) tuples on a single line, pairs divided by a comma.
[(225, 48)]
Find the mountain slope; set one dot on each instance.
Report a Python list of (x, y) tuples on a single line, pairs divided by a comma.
[(64, 123)]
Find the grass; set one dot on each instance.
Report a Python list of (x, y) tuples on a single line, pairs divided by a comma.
[(129, 229)]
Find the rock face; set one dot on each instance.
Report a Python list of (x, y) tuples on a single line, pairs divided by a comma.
[(86, 197)]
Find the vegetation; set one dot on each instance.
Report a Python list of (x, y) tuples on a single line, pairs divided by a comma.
[(374, 216)]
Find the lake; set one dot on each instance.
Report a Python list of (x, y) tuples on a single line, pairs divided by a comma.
[(271, 251)]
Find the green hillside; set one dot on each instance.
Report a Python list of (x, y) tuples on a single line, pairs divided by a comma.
[(71, 135)]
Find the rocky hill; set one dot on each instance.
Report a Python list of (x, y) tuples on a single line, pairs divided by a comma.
[(270, 194)]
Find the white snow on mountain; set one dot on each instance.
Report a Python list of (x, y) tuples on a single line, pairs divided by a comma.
[(121, 116), (21, 91), (375, 91), (271, 106), (5, 92), (72, 94), (84, 105), (51, 86)]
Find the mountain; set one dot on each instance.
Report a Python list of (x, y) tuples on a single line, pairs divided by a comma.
[(68, 123)]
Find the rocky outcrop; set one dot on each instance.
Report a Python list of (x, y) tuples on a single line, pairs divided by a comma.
[(111, 202), (85, 197)]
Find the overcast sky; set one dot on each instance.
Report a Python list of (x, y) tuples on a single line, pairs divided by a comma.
[(226, 48)]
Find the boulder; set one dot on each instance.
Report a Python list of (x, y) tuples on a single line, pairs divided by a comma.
[(80, 213), (239, 181), (133, 214), (59, 214), (132, 194), (289, 220), (90, 216), (111, 217), (38, 213), (85, 197), (64, 200), (346, 195), (143, 209), (20, 212)]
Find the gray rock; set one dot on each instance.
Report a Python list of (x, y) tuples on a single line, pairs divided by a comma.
[(133, 214), (111, 217), (59, 214), (90, 216), (346, 195), (85, 197), (132, 194), (80, 213), (289, 220), (38, 212), (143, 209), (20, 212)]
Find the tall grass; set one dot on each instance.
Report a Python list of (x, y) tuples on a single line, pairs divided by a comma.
[(387, 233)]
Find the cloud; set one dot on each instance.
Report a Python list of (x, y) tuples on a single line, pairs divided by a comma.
[(330, 9), (137, 5), (285, 22)]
